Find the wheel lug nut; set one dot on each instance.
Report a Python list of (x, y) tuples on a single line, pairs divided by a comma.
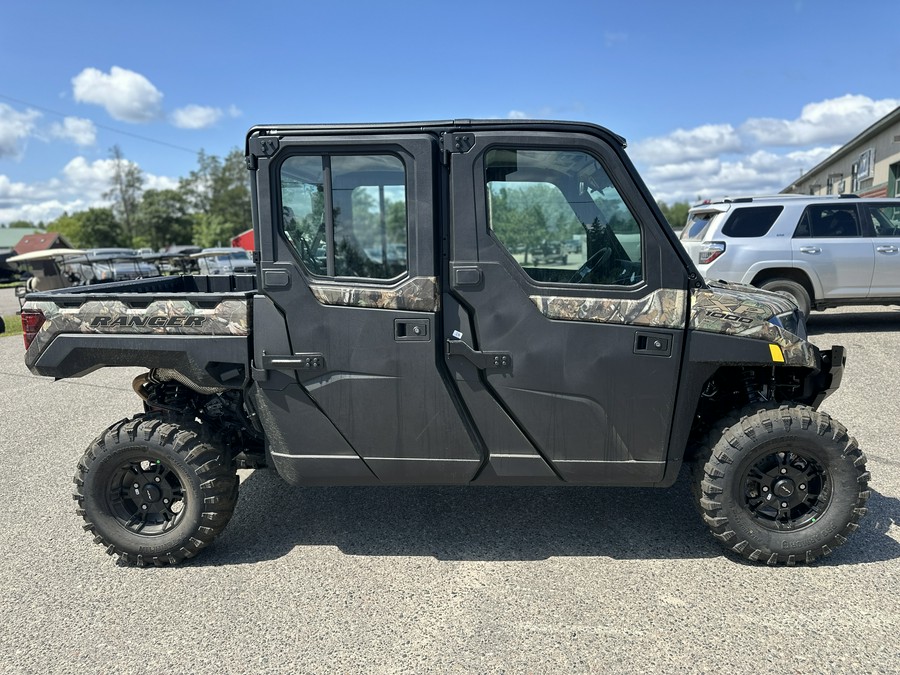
[(765, 489), (144, 507), (136, 486), (784, 471), (165, 501), (802, 486), (784, 505), (157, 479)]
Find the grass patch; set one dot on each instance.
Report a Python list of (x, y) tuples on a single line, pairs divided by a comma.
[(13, 325)]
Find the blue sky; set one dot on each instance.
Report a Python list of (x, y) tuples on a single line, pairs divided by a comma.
[(714, 98)]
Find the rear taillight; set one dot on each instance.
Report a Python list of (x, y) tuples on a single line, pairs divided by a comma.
[(711, 250), (32, 320)]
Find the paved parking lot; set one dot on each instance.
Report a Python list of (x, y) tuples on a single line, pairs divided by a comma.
[(437, 579)]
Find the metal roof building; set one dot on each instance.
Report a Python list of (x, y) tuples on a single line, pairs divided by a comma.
[(869, 165)]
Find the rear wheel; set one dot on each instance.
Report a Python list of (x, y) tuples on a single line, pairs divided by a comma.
[(782, 485), (154, 492), (792, 289)]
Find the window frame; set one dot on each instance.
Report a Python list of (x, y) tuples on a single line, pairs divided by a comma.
[(580, 288), (326, 153), (738, 212), (861, 230)]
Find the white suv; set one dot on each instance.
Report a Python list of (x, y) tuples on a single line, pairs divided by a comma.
[(823, 251)]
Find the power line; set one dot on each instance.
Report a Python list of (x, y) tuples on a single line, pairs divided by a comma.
[(102, 126)]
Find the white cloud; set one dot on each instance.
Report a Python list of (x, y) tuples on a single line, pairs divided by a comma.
[(152, 182), (835, 120), (717, 160), (687, 144), (15, 128), (127, 96), (76, 129), (80, 186), (234, 111), (516, 115), (196, 117)]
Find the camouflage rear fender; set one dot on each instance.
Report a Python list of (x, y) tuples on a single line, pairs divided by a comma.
[(163, 317)]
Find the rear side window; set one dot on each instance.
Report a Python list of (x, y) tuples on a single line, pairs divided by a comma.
[(825, 221), (366, 220), (751, 222), (697, 225)]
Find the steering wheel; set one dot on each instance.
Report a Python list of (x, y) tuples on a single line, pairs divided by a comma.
[(591, 264)]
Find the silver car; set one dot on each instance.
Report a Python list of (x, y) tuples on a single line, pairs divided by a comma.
[(823, 251)]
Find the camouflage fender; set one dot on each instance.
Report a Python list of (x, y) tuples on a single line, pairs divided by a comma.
[(735, 309), (664, 308), (727, 309), (165, 317), (418, 294)]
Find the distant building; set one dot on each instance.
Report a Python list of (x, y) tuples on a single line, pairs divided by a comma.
[(10, 236), (868, 166), (41, 242)]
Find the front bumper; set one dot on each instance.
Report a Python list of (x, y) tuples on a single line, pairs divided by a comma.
[(831, 370)]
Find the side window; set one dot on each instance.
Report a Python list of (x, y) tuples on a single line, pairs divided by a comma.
[(367, 219), (558, 215), (885, 220), (751, 221), (822, 221)]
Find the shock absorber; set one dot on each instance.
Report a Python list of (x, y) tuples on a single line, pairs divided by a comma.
[(750, 385)]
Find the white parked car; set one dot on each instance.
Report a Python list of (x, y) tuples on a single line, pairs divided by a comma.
[(823, 251)]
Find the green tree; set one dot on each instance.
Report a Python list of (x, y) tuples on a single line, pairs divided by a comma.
[(211, 231), (162, 220), (100, 228), (518, 219), (675, 214), (94, 228), (69, 227), (22, 224), (219, 190), (125, 192)]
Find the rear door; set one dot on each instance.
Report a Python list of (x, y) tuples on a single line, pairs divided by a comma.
[(355, 392), (830, 243), (578, 352)]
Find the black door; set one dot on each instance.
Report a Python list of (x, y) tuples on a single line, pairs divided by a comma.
[(567, 307), (356, 390)]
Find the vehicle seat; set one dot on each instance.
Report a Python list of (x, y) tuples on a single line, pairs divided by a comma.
[(840, 224)]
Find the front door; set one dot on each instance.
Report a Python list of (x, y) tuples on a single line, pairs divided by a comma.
[(884, 219), (568, 307)]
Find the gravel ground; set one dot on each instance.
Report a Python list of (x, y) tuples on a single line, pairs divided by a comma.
[(437, 579)]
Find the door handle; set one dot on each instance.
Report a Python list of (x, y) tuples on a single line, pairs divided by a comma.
[(887, 249), (652, 344), (412, 330), (810, 249), (482, 360)]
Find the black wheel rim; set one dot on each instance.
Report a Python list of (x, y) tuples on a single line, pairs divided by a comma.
[(786, 490), (146, 497)]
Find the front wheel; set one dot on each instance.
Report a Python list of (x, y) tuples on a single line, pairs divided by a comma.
[(154, 492), (793, 290), (782, 485)]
